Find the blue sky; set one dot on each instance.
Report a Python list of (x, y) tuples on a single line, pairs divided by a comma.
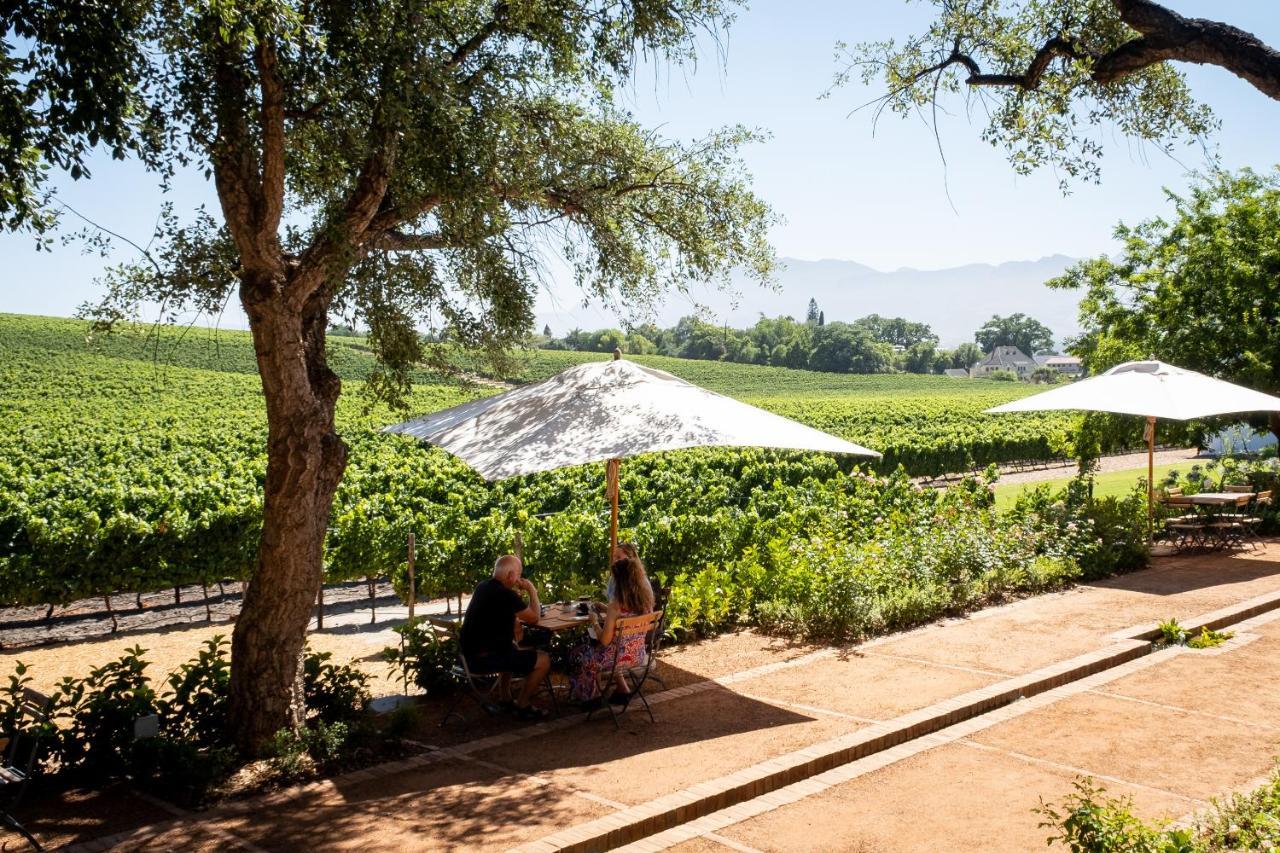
[(845, 193)]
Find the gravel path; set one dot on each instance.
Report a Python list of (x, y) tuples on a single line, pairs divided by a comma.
[(24, 627), (1123, 462)]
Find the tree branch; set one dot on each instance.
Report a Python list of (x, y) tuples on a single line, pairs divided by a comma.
[(1165, 36), (235, 171), (471, 45), (1169, 36), (273, 141), (1029, 79), (394, 240)]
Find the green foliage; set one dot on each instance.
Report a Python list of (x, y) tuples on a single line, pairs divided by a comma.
[(335, 693), (1053, 122), (194, 708), (1208, 638), (865, 346), (94, 716), (70, 71), (1199, 289), (1017, 330), (296, 754), (91, 734), (1173, 634), (1248, 821), (424, 657), (112, 481), (1089, 822)]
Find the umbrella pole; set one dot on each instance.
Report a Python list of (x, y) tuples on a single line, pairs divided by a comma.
[(1151, 476), (611, 483)]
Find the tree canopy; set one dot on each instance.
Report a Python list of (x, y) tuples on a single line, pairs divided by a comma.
[(1046, 71), (1017, 330), (388, 165), (1200, 289)]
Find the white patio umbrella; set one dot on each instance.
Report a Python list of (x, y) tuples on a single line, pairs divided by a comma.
[(1151, 389), (605, 411)]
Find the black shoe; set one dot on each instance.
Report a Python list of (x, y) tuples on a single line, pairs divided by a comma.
[(531, 714), (591, 704), (619, 698)]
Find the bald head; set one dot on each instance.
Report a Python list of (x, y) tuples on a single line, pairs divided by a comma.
[(507, 569)]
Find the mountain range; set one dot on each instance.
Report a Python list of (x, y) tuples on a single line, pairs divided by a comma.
[(955, 301)]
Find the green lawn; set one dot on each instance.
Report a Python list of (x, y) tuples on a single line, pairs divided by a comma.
[(1111, 483)]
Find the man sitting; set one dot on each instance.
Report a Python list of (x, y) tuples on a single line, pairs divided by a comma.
[(488, 633)]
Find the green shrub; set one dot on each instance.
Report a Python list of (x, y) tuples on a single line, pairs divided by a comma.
[(424, 657), (1089, 822), (335, 693), (295, 754)]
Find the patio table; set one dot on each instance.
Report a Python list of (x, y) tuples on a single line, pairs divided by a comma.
[(1220, 525), (1221, 499), (561, 616)]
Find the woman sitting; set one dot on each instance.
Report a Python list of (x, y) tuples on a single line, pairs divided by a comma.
[(630, 594)]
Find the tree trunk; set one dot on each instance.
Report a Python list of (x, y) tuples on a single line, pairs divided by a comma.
[(305, 462)]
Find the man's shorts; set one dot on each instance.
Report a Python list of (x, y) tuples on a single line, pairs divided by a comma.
[(513, 660)]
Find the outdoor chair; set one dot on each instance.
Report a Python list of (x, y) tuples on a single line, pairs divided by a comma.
[(483, 689), (1253, 519), (1228, 531), (21, 750), (1241, 489), (627, 630), (653, 642)]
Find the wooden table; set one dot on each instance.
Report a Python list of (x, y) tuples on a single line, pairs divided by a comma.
[(1221, 499), (561, 617)]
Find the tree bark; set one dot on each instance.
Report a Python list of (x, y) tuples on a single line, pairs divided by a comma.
[(305, 462)]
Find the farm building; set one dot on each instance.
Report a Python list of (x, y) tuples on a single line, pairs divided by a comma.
[(1005, 358)]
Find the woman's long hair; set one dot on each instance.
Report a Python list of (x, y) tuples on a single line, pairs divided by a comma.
[(630, 585)]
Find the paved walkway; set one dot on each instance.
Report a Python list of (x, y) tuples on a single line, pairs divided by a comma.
[(912, 742)]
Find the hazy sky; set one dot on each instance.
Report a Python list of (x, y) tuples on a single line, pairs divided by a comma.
[(844, 193)]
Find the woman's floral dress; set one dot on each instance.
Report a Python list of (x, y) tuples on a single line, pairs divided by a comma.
[(589, 659)]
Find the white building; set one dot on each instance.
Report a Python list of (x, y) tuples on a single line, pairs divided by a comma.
[(1005, 358)]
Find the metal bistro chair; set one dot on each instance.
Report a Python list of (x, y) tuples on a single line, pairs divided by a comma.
[(627, 630), (21, 750), (1253, 519), (653, 641), (483, 689), (1185, 530)]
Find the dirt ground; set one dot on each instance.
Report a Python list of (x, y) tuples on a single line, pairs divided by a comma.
[(1171, 732)]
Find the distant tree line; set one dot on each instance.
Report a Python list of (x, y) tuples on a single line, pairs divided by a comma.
[(871, 344)]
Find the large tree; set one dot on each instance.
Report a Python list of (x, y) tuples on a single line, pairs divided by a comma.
[(844, 348), (1045, 71), (1017, 330), (897, 331), (1201, 289), (393, 163)]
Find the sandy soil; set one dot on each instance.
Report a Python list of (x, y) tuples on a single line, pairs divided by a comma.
[(1171, 735)]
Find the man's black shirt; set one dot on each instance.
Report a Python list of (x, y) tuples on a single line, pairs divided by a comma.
[(489, 626)]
